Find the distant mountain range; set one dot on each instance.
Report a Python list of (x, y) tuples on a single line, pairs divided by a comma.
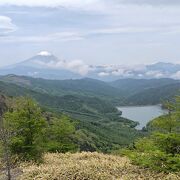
[(119, 92), (45, 65)]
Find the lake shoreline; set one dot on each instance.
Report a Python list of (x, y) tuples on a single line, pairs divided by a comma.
[(138, 106), (141, 114)]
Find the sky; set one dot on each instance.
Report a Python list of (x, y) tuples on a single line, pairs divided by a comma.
[(94, 31)]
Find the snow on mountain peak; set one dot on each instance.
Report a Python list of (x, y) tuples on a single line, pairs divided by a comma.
[(44, 53)]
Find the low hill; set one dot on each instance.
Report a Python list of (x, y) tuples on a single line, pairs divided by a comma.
[(146, 91), (153, 96), (91, 166), (69, 102), (133, 86)]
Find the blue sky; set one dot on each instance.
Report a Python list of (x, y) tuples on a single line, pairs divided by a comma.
[(94, 31)]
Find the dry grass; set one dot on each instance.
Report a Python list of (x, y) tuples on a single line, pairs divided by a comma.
[(88, 166)]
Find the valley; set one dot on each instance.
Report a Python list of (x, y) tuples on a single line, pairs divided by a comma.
[(92, 103)]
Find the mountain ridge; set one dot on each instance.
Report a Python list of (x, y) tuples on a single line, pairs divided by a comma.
[(120, 92)]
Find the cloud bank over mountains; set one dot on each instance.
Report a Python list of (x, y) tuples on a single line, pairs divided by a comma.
[(47, 63), (76, 66)]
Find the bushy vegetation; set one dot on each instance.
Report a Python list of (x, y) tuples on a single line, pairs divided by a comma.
[(161, 150), (92, 166)]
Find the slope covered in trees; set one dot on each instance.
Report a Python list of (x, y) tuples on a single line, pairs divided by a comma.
[(99, 124), (84, 87), (132, 86), (153, 96), (147, 91)]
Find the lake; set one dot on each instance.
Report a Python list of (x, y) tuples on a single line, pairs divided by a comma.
[(142, 114)]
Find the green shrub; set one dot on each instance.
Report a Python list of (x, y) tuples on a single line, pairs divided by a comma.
[(169, 143), (156, 160)]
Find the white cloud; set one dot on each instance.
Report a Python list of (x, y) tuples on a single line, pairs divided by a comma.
[(50, 3), (44, 53), (103, 74), (6, 25), (155, 74), (119, 30), (70, 4), (140, 75), (76, 66), (138, 29), (85, 3), (152, 2), (56, 37), (79, 34), (176, 75), (119, 72)]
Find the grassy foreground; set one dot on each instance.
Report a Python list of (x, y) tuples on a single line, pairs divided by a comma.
[(89, 166)]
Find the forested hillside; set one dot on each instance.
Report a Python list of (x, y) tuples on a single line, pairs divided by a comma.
[(132, 86), (146, 91), (86, 86), (152, 96), (100, 126)]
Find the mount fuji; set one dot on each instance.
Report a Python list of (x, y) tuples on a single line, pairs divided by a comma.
[(43, 65)]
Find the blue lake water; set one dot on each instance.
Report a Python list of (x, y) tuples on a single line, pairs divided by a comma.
[(142, 114)]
